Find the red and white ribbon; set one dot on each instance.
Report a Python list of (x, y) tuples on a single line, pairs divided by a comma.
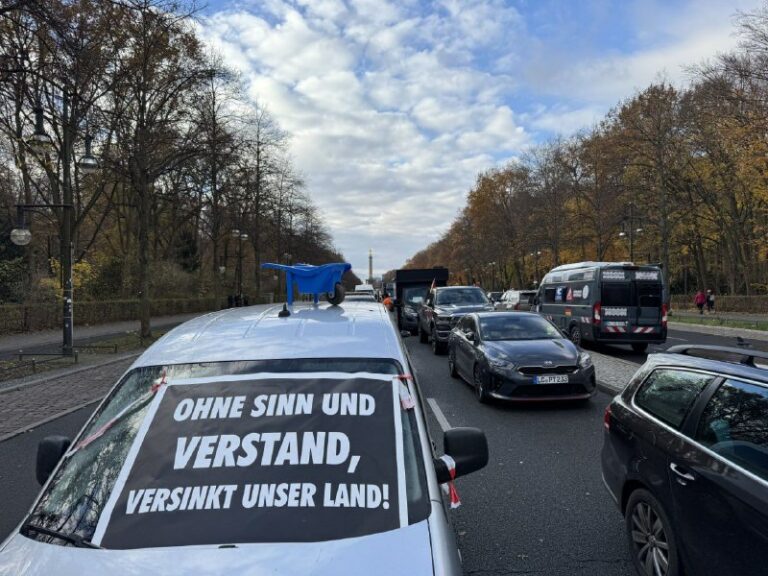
[(156, 385), (406, 400), (450, 486)]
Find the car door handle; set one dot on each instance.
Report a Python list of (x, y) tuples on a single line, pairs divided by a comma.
[(683, 475)]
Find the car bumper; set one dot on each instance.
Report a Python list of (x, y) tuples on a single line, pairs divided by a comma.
[(441, 335), (658, 336), (517, 387)]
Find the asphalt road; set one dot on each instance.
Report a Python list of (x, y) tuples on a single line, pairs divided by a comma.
[(18, 486), (538, 508), (675, 337)]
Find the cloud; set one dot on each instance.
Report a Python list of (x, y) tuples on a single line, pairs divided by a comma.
[(391, 112), (394, 107)]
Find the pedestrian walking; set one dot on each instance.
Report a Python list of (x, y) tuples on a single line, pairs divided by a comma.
[(700, 299), (710, 301), (387, 302)]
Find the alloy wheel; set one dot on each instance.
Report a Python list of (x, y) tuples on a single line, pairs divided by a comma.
[(575, 335), (650, 540), (452, 362), (480, 391)]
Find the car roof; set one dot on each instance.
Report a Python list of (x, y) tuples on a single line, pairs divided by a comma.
[(732, 369), (441, 288), (350, 330), (506, 313)]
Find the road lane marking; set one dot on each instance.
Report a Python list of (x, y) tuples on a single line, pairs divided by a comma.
[(673, 338), (441, 419)]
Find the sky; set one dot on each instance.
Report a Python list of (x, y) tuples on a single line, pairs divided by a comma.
[(394, 107)]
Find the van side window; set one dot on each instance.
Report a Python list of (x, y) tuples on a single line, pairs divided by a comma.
[(669, 394), (549, 294), (734, 425)]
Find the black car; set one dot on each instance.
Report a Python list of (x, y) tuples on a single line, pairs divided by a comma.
[(519, 356), (685, 456), (443, 308)]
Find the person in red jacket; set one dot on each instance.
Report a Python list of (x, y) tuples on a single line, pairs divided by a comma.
[(700, 299)]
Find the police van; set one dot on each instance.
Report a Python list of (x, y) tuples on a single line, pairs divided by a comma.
[(611, 302)]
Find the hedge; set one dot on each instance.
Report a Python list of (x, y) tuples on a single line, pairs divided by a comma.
[(16, 318)]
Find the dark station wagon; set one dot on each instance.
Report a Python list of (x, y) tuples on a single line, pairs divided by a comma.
[(685, 457)]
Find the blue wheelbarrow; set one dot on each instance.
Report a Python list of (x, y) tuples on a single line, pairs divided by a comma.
[(314, 280)]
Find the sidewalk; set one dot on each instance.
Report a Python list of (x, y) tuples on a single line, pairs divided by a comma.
[(736, 316), (12, 343), (31, 404)]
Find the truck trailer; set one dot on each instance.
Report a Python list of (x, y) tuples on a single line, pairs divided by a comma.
[(411, 288)]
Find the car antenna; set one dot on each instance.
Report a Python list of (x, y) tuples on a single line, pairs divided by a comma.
[(284, 313)]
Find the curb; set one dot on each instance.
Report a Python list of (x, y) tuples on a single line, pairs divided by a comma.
[(69, 373)]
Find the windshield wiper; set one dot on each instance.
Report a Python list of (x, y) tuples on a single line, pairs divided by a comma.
[(75, 540)]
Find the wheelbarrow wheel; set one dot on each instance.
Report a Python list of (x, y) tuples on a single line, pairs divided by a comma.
[(337, 296)]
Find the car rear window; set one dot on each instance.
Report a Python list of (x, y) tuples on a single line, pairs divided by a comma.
[(734, 425), (78, 495), (668, 394), (460, 297)]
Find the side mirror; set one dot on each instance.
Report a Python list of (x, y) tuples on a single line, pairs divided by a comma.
[(49, 452), (468, 448)]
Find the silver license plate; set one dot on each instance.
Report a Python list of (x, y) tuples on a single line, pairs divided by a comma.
[(552, 379)]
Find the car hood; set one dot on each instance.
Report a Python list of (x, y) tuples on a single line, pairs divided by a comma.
[(535, 352), (453, 310), (402, 551)]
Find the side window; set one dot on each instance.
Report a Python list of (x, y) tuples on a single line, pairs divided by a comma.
[(464, 324), (669, 394), (734, 425)]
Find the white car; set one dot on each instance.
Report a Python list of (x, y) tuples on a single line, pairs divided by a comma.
[(244, 442)]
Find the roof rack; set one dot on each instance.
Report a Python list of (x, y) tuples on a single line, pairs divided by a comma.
[(748, 356)]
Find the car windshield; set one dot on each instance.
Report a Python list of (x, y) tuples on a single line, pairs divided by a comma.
[(460, 297), (76, 497), (517, 327), (415, 295)]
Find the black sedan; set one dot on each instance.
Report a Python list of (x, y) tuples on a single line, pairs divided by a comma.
[(518, 356)]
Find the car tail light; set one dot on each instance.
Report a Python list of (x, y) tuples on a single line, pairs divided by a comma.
[(607, 418), (664, 315), (596, 314)]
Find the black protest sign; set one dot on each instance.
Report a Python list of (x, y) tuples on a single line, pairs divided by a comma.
[(273, 460)]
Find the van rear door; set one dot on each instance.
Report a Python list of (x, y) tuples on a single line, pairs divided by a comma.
[(649, 297), (617, 300)]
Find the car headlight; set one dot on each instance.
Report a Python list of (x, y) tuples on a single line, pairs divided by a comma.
[(409, 312), (500, 363), (585, 360)]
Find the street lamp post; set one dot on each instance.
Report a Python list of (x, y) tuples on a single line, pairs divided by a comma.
[(240, 236), (536, 254), (41, 141)]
